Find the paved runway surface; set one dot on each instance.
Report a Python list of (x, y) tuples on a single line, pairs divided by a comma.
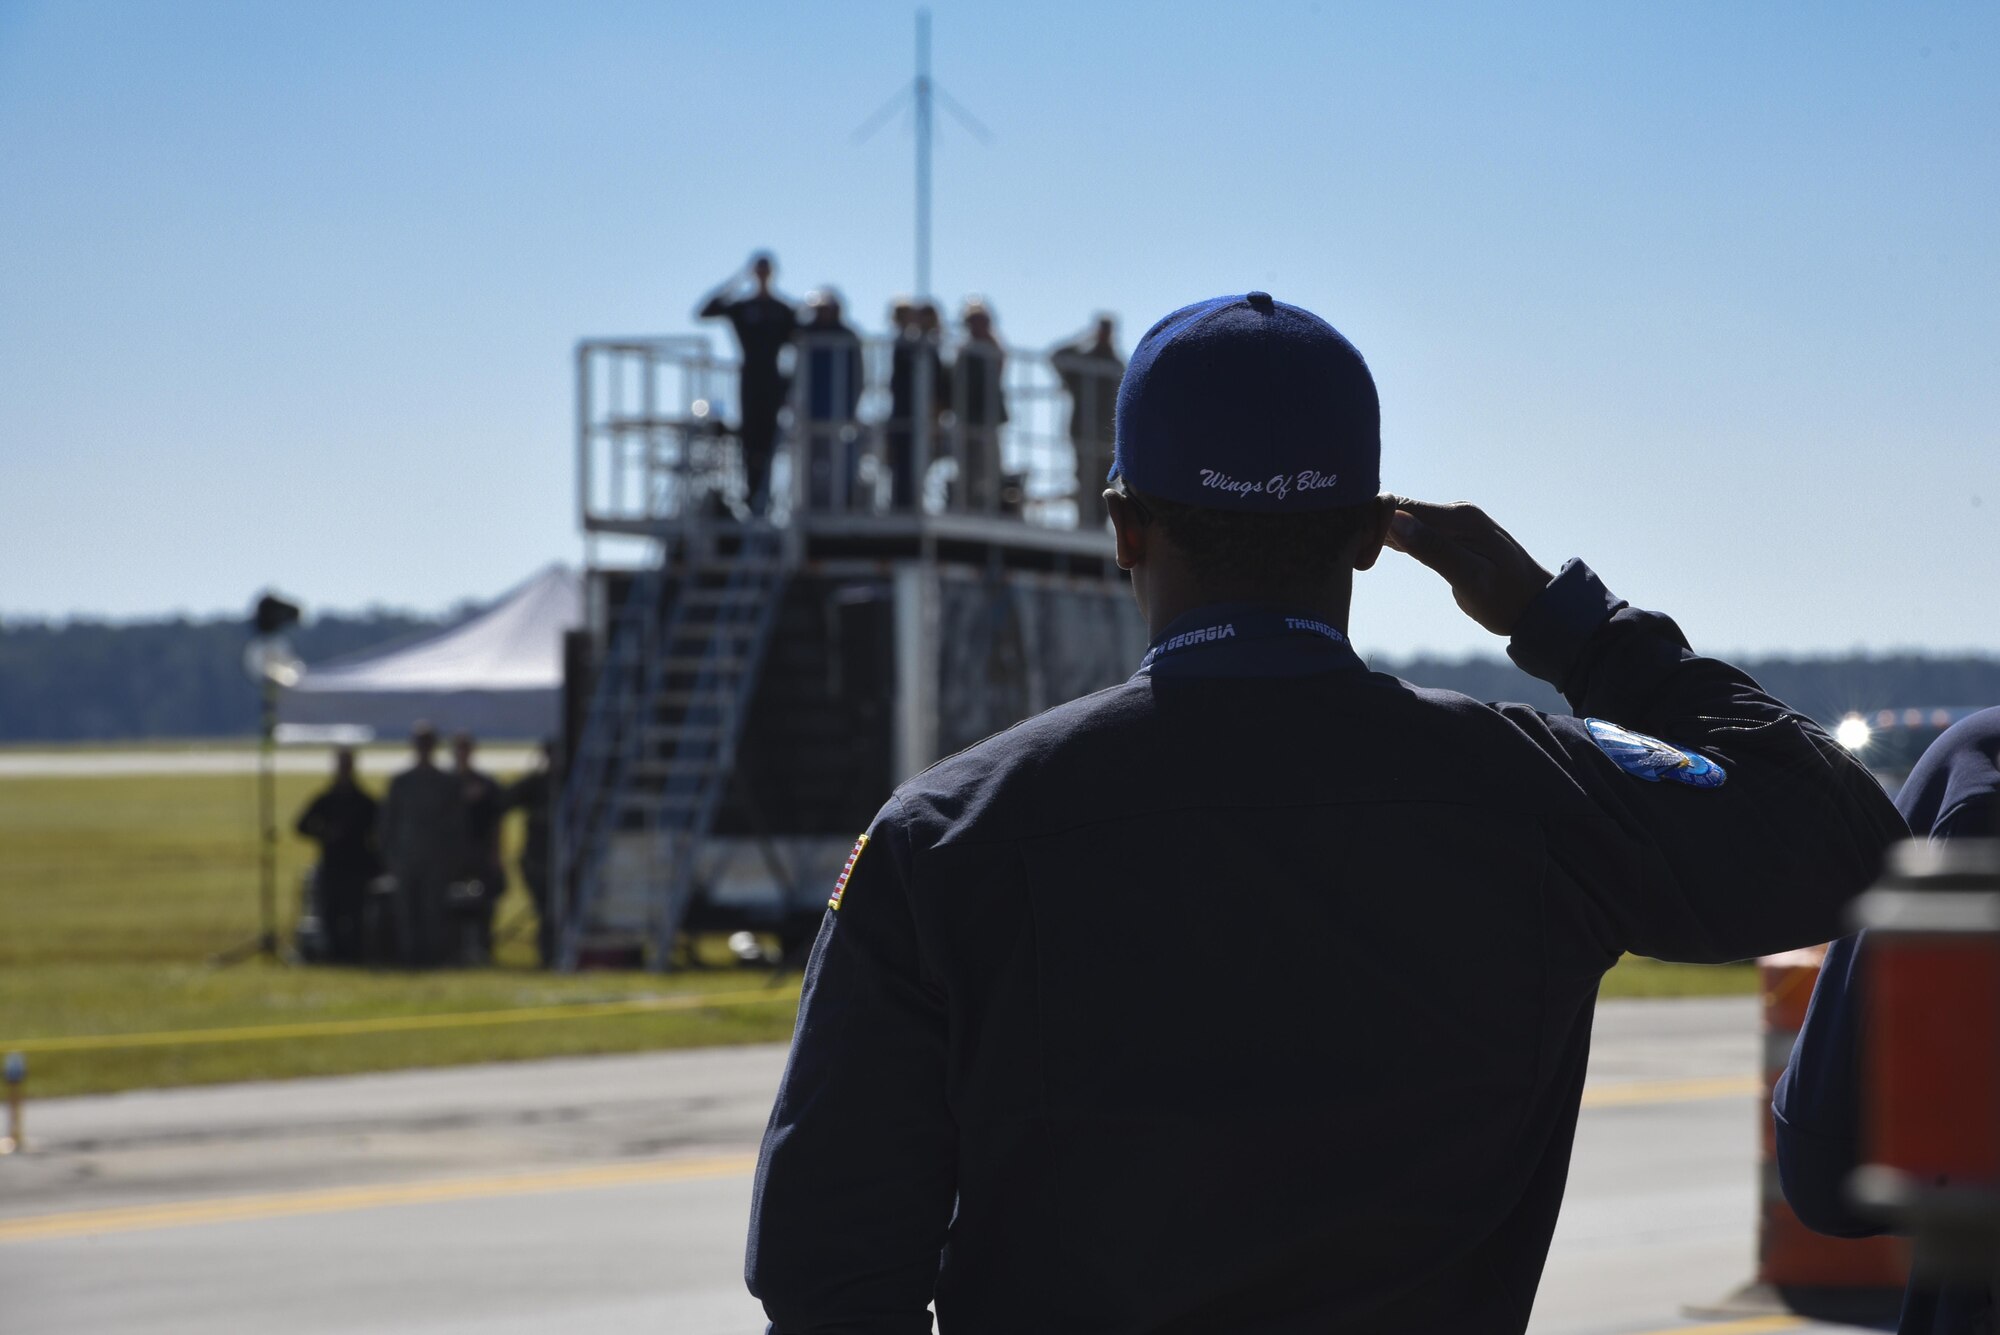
[(610, 1194)]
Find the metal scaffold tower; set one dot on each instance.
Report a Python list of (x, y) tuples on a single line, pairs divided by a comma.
[(750, 687)]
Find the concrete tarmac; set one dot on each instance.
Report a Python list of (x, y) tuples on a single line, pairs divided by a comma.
[(611, 1194)]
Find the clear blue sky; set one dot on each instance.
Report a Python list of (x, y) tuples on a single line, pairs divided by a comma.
[(1708, 293)]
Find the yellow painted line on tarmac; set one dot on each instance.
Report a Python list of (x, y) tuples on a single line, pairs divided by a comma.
[(336, 1200), (1746, 1326), (386, 1024), (236, 1209), (1674, 1091)]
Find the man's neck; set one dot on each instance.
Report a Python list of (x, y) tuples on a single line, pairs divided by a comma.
[(1328, 605)]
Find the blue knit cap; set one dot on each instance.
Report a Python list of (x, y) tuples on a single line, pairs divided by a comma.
[(1245, 403)]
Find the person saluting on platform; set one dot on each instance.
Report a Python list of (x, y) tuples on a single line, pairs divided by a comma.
[(1091, 369), (764, 325)]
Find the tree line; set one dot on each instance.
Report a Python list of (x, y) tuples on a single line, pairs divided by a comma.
[(77, 681), (83, 681)]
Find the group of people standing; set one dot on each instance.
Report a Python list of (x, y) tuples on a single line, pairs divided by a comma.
[(415, 878), (939, 407)]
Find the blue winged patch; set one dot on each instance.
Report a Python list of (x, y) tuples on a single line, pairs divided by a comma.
[(1651, 759)]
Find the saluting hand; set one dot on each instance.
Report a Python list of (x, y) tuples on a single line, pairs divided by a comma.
[(1492, 577)]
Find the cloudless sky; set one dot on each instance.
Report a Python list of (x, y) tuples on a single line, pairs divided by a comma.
[(1707, 293)]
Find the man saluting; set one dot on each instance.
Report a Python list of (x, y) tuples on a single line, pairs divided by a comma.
[(764, 324), (1035, 1084)]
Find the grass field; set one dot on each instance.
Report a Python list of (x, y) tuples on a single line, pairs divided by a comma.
[(115, 892)]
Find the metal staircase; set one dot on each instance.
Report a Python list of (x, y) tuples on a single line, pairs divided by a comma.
[(653, 759)]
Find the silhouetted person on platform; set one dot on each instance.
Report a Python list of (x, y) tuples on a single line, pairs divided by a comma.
[(341, 820), (1091, 370), (916, 372), (979, 402), (830, 365), (479, 879), (420, 835), (764, 324), (531, 794)]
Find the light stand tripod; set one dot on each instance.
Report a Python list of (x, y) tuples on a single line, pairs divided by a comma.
[(272, 665)]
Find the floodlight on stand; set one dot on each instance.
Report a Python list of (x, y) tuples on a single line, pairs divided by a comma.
[(269, 657), (273, 614), (269, 660)]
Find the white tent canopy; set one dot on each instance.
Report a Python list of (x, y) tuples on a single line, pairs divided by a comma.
[(498, 675)]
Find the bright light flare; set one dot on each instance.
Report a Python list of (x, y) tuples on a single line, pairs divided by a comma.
[(1853, 732)]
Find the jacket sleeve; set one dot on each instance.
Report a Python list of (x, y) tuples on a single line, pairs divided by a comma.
[(1817, 1103), (1765, 861), (1977, 817), (857, 1179)]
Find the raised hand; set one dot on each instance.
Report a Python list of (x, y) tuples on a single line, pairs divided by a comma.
[(1492, 577)]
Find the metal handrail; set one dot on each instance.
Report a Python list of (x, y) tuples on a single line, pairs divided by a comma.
[(656, 442), (639, 661), (601, 758), (759, 565)]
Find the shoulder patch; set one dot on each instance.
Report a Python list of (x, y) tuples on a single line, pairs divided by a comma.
[(840, 885), (1651, 759)]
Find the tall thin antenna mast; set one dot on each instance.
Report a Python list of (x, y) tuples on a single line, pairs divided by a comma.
[(920, 96), (923, 100)]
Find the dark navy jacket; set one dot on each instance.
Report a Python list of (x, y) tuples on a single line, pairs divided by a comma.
[(1254, 994), (1954, 792)]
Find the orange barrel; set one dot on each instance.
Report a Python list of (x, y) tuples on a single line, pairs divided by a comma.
[(1807, 1269), (1931, 1051)]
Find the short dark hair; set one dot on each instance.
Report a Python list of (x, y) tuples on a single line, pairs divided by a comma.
[(1279, 551)]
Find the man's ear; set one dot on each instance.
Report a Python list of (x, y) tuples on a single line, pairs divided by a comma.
[(1375, 533), (1131, 534)]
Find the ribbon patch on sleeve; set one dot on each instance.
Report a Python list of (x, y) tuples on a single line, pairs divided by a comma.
[(840, 886)]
